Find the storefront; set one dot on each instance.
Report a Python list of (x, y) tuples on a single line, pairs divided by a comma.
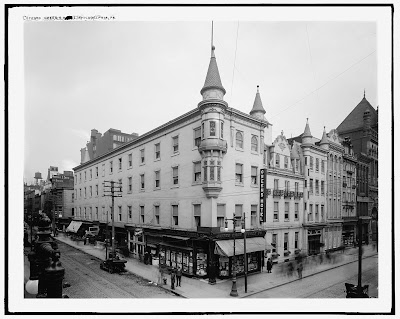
[(135, 242), (349, 232)]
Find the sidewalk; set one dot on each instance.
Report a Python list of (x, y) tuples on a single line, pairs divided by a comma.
[(199, 288)]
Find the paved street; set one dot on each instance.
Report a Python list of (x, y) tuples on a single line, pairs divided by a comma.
[(328, 284), (87, 280)]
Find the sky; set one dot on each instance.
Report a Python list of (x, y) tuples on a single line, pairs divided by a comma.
[(137, 75)]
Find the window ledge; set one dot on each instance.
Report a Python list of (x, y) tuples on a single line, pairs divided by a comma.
[(239, 149), (197, 183), (129, 167), (175, 154), (239, 184), (142, 190), (156, 188), (129, 192), (286, 219), (157, 159), (254, 152), (175, 186), (254, 185), (276, 220)]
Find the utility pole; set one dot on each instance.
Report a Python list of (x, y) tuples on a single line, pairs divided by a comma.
[(113, 191)]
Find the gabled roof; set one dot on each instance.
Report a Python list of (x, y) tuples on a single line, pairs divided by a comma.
[(213, 80), (355, 119)]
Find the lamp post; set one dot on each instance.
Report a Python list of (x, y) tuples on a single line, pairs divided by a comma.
[(235, 220)]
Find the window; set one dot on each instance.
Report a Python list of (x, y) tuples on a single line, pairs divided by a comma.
[(142, 156), (80, 192), (90, 191), (286, 162), (111, 213), (212, 128), (202, 130), (296, 187), (84, 212), (305, 160), (277, 160), (296, 211), (253, 217), (175, 144), (222, 129), (239, 173), (119, 185), (157, 214), (175, 176), (212, 169), (111, 167), (80, 177), (286, 211), (311, 185), (174, 215), (130, 212), (197, 172), (205, 171), (97, 171), (129, 160), (287, 186), (322, 187), (197, 215), (221, 215), (90, 174), (317, 187), (142, 181), (296, 240), (141, 210), (238, 212), (197, 136), (254, 175), (157, 151), (276, 211), (317, 164), (311, 163), (120, 163), (239, 140), (129, 184), (274, 242), (297, 165), (310, 213), (316, 212), (276, 184), (285, 241), (85, 176), (85, 191), (254, 144), (322, 212), (119, 213), (157, 179), (90, 212), (104, 169)]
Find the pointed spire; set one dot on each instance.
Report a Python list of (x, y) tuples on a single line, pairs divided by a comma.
[(307, 131), (257, 106), (213, 80), (364, 93), (324, 139)]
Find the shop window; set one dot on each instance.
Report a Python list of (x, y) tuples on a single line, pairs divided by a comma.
[(175, 215), (223, 266), (221, 215), (239, 140), (201, 263), (254, 144), (157, 214)]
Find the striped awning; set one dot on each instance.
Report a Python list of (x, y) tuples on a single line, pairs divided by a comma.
[(74, 226), (225, 247)]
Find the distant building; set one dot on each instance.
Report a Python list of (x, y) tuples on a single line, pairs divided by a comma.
[(101, 144), (361, 127)]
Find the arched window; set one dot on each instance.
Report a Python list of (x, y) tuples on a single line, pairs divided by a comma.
[(286, 162), (254, 144), (277, 160), (239, 140)]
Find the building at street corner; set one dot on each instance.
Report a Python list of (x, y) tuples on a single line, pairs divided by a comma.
[(182, 179), (361, 127)]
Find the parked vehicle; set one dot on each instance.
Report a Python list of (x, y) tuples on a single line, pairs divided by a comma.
[(113, 264)]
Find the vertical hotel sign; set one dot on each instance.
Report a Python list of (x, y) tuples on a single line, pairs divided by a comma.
[(263, 193)]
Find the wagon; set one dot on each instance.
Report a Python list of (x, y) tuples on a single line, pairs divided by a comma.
[(113, 265)]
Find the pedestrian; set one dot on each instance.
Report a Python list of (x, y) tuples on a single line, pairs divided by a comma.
[(300, 269), (178, 277), (269, 265), (173, 278)]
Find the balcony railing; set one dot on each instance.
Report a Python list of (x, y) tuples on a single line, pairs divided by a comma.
[(278, 193), (298, 194), (288, 194)]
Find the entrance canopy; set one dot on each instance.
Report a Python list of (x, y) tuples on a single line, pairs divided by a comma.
[(225, 247), (74, 226)]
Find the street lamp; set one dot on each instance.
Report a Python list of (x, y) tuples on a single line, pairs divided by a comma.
[(235, 220)]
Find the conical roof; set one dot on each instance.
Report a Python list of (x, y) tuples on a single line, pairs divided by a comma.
[(324, 139), (307, 131), (257, 106), (213, 80)]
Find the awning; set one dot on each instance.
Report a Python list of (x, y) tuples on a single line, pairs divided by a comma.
[(177, 237), (73, 227), (225, 247)]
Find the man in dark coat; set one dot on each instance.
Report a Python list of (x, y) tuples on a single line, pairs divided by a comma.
[(269, 265), (173, 278), (178, 276)]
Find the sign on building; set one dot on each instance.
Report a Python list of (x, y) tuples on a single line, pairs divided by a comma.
[(263, 194)]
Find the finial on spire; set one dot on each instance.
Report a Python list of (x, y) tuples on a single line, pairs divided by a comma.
[(364, 93), (282, 132), (212, 37), (258, 88), (307, 119)]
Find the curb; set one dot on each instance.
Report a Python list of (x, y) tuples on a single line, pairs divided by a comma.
[(318, 272)]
